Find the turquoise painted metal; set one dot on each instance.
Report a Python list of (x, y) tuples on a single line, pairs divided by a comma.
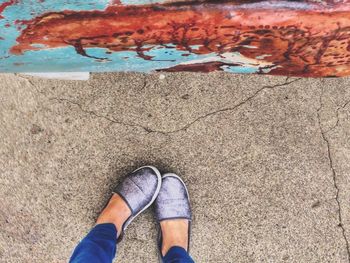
[(294, 38)]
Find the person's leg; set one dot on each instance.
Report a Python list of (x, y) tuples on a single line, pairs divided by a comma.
[(175, 241), (99, 246), (173, 212), (177, 255), (132, 196)]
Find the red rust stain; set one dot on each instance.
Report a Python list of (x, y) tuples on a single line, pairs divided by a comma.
[(4, 5), (299, 42), (116, 2)]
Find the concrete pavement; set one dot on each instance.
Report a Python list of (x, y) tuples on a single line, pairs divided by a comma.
[(266, 160)]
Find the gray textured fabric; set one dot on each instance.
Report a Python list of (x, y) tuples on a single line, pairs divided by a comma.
[(173, 200), (139, 188)]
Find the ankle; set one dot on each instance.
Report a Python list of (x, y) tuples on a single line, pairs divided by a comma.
[(116, 212), (174, 234)]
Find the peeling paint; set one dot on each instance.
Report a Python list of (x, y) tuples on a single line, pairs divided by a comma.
[(307, 39), (4, 5)]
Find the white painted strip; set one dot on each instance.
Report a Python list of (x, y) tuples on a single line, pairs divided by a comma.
[(62, 75)]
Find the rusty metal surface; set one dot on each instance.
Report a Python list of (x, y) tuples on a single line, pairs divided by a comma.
[(294, 38)]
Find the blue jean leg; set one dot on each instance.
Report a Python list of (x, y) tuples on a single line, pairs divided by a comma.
[(99, 246), (177, 255)]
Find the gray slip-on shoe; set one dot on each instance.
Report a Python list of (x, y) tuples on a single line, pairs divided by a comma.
[(139, 190), (173, 202)]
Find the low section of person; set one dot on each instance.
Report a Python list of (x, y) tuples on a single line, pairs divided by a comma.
[(137, 192)]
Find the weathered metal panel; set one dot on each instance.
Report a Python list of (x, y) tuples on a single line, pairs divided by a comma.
[(294, 38)]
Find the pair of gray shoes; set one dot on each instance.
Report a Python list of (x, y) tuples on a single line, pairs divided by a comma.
[(146, 186)]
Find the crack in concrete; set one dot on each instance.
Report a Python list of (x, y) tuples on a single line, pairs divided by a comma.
[(111, 120), (337, 113), (150, 130), (188, 125), (334, 175), (145, 83), (100, 116)]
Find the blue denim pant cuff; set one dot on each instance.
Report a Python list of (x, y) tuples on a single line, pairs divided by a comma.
[(106, 230), (99, 246), (177, 255)]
